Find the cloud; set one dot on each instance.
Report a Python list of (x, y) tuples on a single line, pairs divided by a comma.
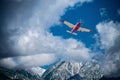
[(52, 44), (28, 61), (8, 62), (109, 33), (103, 12), (29, 35)]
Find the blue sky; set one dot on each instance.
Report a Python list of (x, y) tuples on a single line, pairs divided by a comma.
[(89, 14)]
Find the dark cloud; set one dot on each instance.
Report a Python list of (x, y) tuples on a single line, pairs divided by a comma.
[(9, 10), (113, 55), (111, 61)]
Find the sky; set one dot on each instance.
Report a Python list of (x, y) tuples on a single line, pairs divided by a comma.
[(32, 35)]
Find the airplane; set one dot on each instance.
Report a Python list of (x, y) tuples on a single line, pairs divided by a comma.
[(76, 27)]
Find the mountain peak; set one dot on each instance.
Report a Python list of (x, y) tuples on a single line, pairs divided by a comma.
[(36, 70)]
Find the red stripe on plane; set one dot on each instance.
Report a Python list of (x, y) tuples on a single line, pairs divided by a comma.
[(76, 27)]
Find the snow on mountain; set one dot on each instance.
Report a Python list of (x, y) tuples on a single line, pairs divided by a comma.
[(65, 70), (36, 71)]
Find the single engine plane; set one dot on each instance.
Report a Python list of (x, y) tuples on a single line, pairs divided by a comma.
[(76, 27)]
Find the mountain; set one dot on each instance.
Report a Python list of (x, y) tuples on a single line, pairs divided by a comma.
[(36, 71), (73, 71), (60, 71), (19, 74)]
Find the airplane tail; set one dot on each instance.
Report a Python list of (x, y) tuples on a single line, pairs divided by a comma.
[(81, 22), (71, 32)]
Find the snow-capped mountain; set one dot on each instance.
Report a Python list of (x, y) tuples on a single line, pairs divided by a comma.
[(68, 71), (36, 71), (60, 71)]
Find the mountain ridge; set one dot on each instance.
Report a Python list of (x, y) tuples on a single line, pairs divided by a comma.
[(60, 71), (64, 70)]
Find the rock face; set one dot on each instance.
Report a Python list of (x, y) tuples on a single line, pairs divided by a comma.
[(73, 70)]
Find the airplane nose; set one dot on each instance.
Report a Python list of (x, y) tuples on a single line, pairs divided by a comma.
[(78, 24)]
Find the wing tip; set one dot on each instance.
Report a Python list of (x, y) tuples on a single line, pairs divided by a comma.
[(62, 21)]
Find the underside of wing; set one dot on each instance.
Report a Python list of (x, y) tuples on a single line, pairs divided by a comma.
[(84, 29), (68, 24)]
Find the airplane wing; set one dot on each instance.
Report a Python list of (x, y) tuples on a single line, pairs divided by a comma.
[(84, 29), (68, 24)]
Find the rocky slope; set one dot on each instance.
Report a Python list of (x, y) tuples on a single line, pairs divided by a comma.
[(70, 70)]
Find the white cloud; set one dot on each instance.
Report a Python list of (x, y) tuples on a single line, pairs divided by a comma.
[(52, 44), (108, 33), (34, 36), (36, 60), (109, 36), (28, 61), (8, 62)]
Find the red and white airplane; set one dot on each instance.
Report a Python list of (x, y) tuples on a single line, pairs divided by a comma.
[(75, 28)]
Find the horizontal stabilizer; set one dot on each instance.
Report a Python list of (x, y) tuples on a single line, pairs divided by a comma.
[(71, 32), (68, 31), (74, 33)]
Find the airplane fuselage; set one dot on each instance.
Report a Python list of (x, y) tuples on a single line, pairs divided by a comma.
[(76, 27)]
